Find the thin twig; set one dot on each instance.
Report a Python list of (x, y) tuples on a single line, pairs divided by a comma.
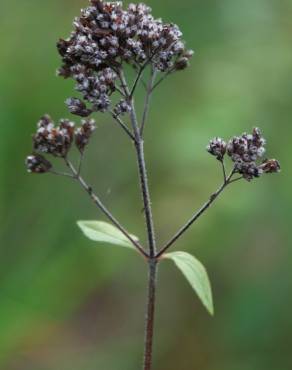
[(139, 75), (136, 68), (195, 217), (124, 82), (60, 173), (80, 163), (123, 125), (120, 90), (147, 99), (101, 206), (235, 180), (223, 169), (162, 79)]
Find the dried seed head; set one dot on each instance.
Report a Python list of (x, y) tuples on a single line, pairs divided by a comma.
[(217, 147), (36, 163), (53, 140), (105, 36), (83, 133), (78, 107), (246, 150), (122, 107), (270, 166)]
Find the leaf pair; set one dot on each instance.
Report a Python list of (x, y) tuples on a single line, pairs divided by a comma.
[(192, 269)]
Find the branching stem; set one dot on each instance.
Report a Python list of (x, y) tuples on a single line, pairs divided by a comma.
[(60, 173), (102, 207), (123, 125), (224, 170), (198, 214), (152, 261)]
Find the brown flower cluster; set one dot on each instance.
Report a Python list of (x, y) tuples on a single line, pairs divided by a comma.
[(105, 36), (246, 152), (57, 141)]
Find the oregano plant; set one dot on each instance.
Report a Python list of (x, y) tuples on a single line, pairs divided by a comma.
[(111, 52)]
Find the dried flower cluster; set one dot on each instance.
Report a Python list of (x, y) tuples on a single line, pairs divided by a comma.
[(217, 147), (36, 163), (245, 151), (105, 36), (57, 141)]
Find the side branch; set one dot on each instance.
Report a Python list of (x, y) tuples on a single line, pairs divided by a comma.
[(123, 125), (101, 206), (147, 100), (138, 77), (200, 212)]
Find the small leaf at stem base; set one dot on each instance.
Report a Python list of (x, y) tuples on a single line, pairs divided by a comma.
[(197, 276)]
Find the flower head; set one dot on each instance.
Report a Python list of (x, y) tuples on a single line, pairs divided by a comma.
[(106, 36), (78, 107), (246, 152), (51, 139), (57, 141), (270, 166), (217, 147), (83, 133), (122, 107), (36, 163)]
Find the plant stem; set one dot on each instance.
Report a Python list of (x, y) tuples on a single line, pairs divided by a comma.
[(149, 324), (139, 145), (148, 98), (102, 207), (223, 169), (123, 125), (152, 260), (198, 214)]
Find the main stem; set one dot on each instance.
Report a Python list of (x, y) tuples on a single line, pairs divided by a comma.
[(139, 145), (149, 325), (97, 201), (152, 260)]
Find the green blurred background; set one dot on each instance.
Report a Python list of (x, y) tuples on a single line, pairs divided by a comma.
[(68, 305)]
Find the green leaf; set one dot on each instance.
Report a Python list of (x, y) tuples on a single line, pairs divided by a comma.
[(196, 275), (100, 231)]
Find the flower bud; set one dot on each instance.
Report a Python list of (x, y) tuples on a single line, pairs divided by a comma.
[(270, 166), (51, 139), (217, 147), (36, 163), (83, 133), (122, 107), (78, 107)]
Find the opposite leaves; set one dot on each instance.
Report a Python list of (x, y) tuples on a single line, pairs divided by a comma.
[(100, 231), (196, 275)]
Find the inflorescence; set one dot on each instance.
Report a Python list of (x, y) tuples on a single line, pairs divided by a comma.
[(57, 141), (246, 151), (105, 37)]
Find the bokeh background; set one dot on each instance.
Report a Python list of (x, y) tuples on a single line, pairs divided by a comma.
[(68, 304)]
